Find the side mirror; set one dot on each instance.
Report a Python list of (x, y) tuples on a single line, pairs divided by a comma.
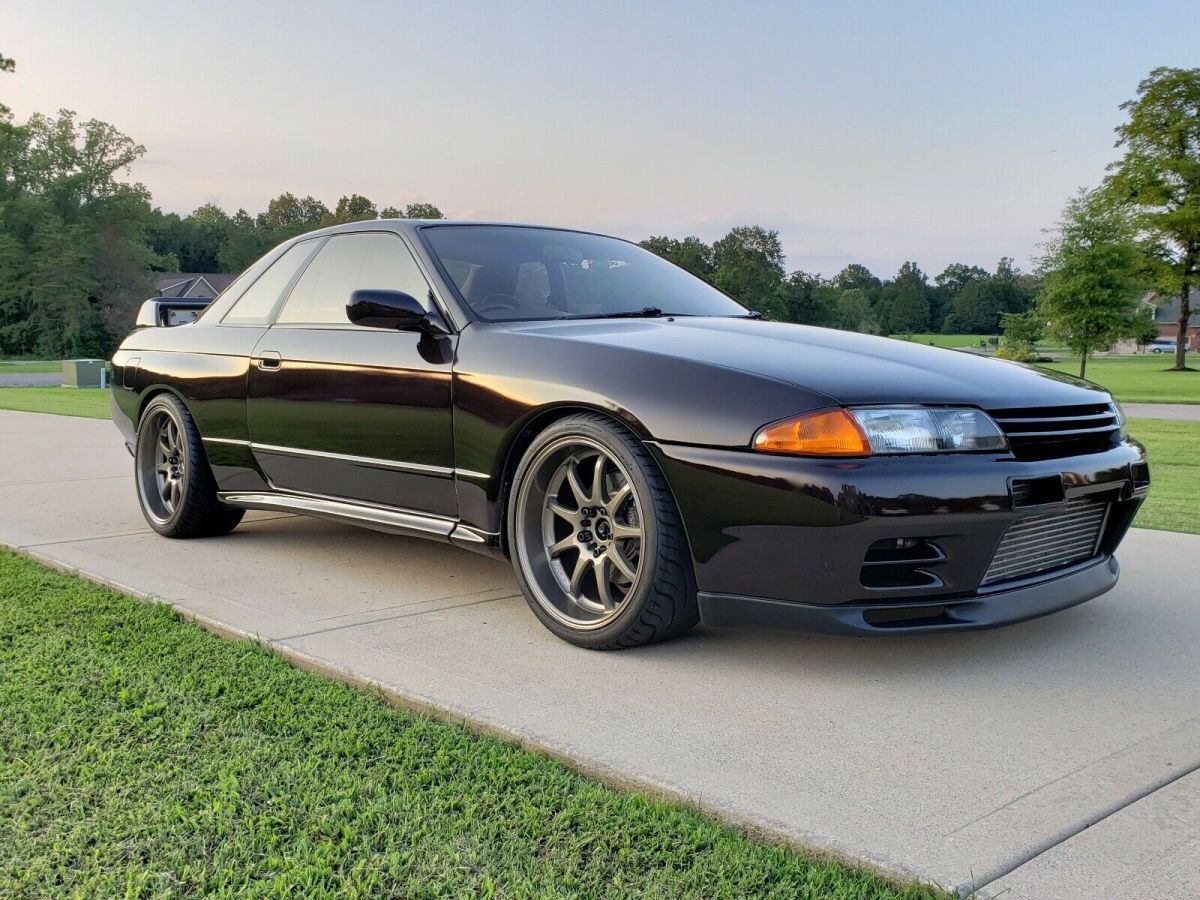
[(376, 308)]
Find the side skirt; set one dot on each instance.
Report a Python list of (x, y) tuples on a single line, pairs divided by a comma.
[(410, 524)]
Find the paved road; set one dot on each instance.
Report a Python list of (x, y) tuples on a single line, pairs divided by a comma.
[(1187, 412), (30, 379), (1053, 755)]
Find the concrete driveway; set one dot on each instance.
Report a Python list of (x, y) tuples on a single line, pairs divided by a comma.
[(1050, 758)]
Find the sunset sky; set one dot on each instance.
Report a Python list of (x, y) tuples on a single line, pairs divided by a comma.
[(868, 132)]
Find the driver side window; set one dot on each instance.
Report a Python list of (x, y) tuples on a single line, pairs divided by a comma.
[(346, 263)]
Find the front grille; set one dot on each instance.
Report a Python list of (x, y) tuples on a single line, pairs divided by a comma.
[(1048, 540), (1052, 432)]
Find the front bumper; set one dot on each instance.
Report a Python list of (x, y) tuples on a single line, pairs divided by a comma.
[(781, 541)]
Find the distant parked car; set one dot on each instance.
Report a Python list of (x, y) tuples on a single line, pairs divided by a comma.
[(1163, 345), (648, 452)]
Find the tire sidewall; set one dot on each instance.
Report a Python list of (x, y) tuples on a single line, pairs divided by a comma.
[(615, 443)]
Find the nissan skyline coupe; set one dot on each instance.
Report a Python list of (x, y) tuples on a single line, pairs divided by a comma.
[(647, 452)]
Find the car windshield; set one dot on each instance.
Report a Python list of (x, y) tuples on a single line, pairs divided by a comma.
[(511, 273)]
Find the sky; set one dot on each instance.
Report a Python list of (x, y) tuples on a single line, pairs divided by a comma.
[(862, 132)]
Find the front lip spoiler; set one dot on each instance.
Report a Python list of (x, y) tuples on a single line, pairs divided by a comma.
[(991, 610)]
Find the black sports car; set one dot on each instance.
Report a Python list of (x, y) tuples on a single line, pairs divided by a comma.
[(647, 452)]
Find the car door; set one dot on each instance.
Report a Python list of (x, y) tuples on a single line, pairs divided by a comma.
[(348, 412)]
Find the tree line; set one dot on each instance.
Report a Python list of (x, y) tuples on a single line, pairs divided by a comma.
[(80, 244), (748, 263)]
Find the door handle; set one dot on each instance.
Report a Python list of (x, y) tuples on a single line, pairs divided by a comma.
[(269, 360)]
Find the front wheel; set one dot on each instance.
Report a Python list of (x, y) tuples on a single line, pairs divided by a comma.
[(175, 486), (596, 539)]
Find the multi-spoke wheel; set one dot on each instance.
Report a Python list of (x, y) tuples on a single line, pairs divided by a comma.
[(175, 486), (596, 540)]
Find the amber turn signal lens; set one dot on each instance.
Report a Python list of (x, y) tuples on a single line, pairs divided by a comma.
[(830, 432)]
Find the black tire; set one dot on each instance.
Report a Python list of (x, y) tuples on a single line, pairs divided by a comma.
[(176, 489), (660, 600)]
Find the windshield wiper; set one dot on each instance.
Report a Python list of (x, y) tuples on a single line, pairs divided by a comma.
[(646, 312)]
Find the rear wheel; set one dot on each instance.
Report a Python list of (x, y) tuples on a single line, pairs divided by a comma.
[(176, 488), (596, 539)]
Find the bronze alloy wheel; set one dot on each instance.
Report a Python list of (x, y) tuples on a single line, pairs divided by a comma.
[(162, 464), (596, 540), (582, 532)]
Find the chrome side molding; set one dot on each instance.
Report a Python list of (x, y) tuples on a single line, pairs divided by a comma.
[(393, 521)]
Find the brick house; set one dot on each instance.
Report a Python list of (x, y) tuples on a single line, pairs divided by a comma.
[(1166, 317)]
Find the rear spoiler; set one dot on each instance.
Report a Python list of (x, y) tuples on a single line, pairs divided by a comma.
[(162, 312)]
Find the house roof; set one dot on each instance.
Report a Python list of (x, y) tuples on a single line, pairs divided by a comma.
[(1168, 313), (191, 284)]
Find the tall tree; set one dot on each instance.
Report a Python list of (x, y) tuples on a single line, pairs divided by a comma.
[(7, 64), (904, 301), (243, 244), (749, 268), (946, 288), (808, 299), (1159, 177), (422, 211), (854, 312), (691, 253), (858, 277), (354, 208), (1090, 272)]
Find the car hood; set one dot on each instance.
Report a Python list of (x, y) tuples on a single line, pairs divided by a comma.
[(848, 368)]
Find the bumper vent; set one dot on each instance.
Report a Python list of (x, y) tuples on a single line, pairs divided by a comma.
[(901, 564), (1053, 432), (1048, 541)]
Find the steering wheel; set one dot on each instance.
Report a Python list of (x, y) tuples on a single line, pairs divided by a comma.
[(497, 302)]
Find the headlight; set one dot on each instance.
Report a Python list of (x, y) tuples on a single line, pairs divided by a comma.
[(915, 429), (882, 430)]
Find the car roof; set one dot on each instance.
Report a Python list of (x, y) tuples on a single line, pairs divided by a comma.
[(413, 225)]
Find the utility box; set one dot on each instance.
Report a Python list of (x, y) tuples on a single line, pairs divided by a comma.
[(84, 373)]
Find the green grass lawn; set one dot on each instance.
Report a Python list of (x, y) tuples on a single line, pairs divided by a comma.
[(29, 367), (1174, 474), (944, 340), (143, 756), (1139, 379), (91, 402)]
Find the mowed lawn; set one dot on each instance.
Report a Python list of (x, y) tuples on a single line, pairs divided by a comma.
[(944, 340), (29, 367), (143, 756), (1140, 379), (88, 402), (1174, 474)]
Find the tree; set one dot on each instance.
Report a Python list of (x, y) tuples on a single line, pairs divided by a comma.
[(422, 211), (288, 215), (904, 302), (1159, 179), (854, 312), (691, 253), (1090, 276), (74, 235), (1021, 331), (946, 289), (243, 243), (1144, 329), (749, 268), (858, 277), (7, 64), (354, 208), (808, 299)]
